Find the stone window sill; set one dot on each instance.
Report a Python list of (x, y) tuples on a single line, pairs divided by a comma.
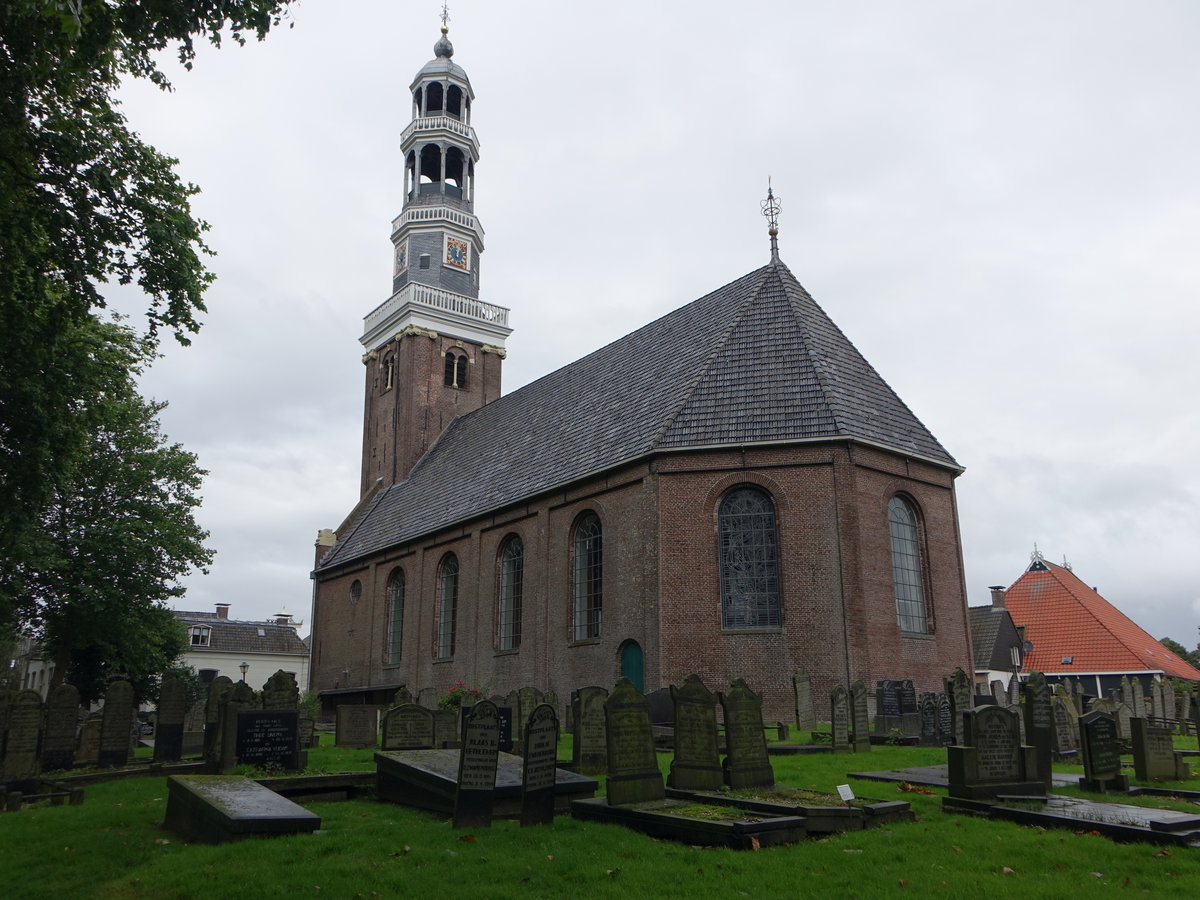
[(587, 642), (917, 635), (513, 652), (757, 629)]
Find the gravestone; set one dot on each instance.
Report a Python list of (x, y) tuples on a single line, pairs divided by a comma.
[(218, 692), (281, 691), (887, 706), (62, 721), (269, 737), (945, 719), (806, 717), (930, 735), (408, 727), (116, 735), (859, 725), (1064, 725), (958, 689), (633, 775), (1160, 707), (427, 697), (1039, 725), (538, 772), (992, 760), (1101, 754), (1014, 694), (839, 719), (168, 730), (662, 707), (357, 726), (1154, 756), (746, 761), (1139, 698), (1124, 712), (588, 718), (1182, 704), (999, 695), (445, 728), (697, 762), (24, 733), (513, 702), (307, 728), (88, 753), (506, 728), (910, 710), (402, 697), (240, 699), (530, 698), (477, 766), (193, 730), (551, 700)]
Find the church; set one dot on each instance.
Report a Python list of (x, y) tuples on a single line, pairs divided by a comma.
[(731, 490)]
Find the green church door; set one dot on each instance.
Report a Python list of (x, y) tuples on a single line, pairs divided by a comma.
[(632, 663)]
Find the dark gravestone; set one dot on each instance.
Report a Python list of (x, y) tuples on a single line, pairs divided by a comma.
[(662, 707), (859, 725), (633, 775), (24, 733), (357, 726), (958, 688), (62, 721), (269, 737), (930, 736), (240, 699), (88, 752), (538, 772), (1101, 754), (697, 762), (506, 727), (908, 697), (1039, 725), (991, 761), (477, 767), (408, 727), (281, 691), (445, 728), (945, 713), (1139, 698), (513, 702), (1064, 725), (218, 692), (746, 761), (590, 755), (168, 731), (116, 736), (193, 730), (1154, 756), (839, 719), (887, 707), (806, 717), (307, 726)]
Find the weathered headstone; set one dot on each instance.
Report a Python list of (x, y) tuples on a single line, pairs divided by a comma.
[(999, 695), (806, 717), (887, 707), (859, 725), (633, 774), (958, 689), (538, 773), (477, 767), (24, 733), (697, 762), (1154, 756), (1039, 725), (218, 692), (589, 723), (408, 727), (507, 743), (88, 752), (1124, 713), (513, 701), (307, 728), (193, 730), (930, 736), (530, 698), (1139, 698), (402, 696), (1065, 725), (945, 718), (910, 710), (269, 737), (62, 721), (168, 730), (427, 697), (240, 699), (357, 726), (662, 707), (281, 691), (1101, 754), (446, 730), (1157, 708), (746, 761), (1014, 694), (991, 760), (116, 736), (839, 719)]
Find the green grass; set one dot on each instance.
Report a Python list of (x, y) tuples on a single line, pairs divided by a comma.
[(113, 847)]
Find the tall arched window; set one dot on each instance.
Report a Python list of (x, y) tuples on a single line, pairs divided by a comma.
[(447, 605), (511, 587), (588, 582), (906, 566), (749, 551), (456, 370), (395, 616)]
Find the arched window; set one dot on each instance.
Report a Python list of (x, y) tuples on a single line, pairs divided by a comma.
[(511, 587), (433, 98), (456, 370), (588, 583), (451, 373), (447, 605), (356, 591), (906, 566), (454, 98), (395, 616), (749, 555)]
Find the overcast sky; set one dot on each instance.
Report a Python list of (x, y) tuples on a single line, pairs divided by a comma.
[(999, 203)]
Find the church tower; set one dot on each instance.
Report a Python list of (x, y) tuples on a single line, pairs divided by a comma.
[(433, 350)]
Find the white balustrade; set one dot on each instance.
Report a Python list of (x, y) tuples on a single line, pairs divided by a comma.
[(435, 123), (424, 295)]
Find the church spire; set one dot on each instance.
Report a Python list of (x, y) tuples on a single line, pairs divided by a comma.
[(771, 209)]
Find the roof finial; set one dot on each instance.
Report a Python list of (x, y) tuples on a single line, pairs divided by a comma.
[(445, 16), (770, 209), (443, 49)]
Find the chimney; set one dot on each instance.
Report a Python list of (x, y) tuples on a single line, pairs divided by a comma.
[(222, 610), (997, 596)]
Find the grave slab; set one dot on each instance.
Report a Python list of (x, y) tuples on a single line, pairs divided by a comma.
[(743, 830), (216, 809)]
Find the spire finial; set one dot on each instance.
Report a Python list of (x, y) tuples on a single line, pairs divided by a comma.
[(770, 208), (445, 16)]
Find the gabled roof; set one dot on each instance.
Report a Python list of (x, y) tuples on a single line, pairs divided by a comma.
[(992, 633), (236, 636), (1063, 617), (755, 361)]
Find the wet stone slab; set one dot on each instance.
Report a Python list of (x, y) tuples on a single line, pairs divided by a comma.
[(665, 818), (935, 776), (215, 809)]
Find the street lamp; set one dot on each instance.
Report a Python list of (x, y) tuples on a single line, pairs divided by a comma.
[(245, 667)]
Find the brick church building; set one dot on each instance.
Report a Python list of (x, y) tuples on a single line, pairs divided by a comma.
[(730, 490)]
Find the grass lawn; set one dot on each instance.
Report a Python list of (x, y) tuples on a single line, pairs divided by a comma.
[(113, 847)]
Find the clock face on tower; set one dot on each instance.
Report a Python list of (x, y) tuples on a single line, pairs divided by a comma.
[(401, 258), (458, 254)]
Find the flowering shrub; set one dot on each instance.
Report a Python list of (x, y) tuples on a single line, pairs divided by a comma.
[(459, 694)]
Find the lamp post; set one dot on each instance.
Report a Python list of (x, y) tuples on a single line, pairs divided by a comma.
[(245, 667)]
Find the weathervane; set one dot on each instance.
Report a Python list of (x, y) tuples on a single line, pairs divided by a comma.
[(445, 16), (771, 208)]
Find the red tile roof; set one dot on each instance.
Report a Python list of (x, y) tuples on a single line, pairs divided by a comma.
[(1063, 617)]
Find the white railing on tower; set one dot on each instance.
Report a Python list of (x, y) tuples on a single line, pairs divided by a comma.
[(433, 213), (434, 123), (424, 295)]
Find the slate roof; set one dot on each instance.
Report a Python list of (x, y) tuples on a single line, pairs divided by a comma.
[(991, 625), (236, 636), (1064, 617), (755, 361)]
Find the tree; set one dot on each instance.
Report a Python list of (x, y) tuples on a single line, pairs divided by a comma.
[(112, 543), (1191, 657), (85, 203)]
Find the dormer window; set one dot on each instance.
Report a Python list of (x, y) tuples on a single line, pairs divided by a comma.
[(198, 635)]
